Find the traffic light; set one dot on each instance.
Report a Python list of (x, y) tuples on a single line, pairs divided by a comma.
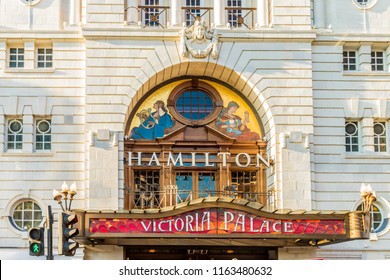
[(66, 246), (36, 237)]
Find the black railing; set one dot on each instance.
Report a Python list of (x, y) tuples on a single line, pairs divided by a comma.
[(191, 14), (157, 16), (146, 198), (239, 17)]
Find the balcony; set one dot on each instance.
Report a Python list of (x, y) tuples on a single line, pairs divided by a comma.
[(168, 16), (153, 198)]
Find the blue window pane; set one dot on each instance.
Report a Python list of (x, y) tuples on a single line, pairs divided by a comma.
[(194, 105)]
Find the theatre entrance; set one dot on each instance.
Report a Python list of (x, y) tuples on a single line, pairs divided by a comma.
[(200, 253)]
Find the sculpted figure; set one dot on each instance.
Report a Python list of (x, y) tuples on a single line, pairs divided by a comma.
[(198, 42)]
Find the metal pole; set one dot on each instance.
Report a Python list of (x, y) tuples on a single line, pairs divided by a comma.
[(50, 234)]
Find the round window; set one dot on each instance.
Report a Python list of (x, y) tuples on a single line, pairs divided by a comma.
[(350, 128), (379, 129), (15, 126), (30, 2), (364, 4), (194, 103), (43, 126), (27, 214)]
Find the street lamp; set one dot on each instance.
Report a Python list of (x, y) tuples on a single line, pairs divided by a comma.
[(368, 197), (65, 194)]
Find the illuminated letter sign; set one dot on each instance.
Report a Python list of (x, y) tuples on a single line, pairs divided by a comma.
[(215, 221)]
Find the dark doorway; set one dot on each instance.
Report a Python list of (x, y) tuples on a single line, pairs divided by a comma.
[(200, 253)]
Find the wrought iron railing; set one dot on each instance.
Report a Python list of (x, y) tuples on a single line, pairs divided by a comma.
[(152, 198), (191, 14), (154, 16), (158, 16), (240, 17)]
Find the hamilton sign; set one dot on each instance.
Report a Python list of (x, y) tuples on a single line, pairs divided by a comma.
[(196, 159)]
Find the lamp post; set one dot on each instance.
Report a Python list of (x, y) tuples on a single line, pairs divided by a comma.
[(66, 219), (65, 194), (368, 197)]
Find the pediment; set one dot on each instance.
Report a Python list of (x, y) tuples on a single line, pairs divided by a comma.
[(202, 133)]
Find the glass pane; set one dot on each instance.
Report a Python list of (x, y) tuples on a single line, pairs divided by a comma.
[(47, 146), (19, 207), (41, 64), (41, 57), (12, 64), (49, 64), (49, 51), (20, 51), (28, 205), (27, 215), (17, 215), (377, 217), (19, 224), (27, 225), (38, 215), (12, 57), (36, 207), (12, 50), (19, 146), (49, 58), (39, 146), (41, 51), (20, 64)]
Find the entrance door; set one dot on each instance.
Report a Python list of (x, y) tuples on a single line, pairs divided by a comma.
[(195, 184)]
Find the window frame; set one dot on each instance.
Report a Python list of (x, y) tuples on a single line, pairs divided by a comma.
[(150, 11), (347, 60), (195, 85), (9, 134), (384, 207), (34, 223), (377, 138), (45, 55), (374, 60), (364, 6), (30, 2), (16, 60), (356, 135), (232, 16), (188, 18), (37, 133)]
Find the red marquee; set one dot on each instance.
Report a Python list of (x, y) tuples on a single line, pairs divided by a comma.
[(216, 221)]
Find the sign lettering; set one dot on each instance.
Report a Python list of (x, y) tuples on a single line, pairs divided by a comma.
[(216, 221)]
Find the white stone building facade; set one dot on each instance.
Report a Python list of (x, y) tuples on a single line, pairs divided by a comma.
[(315, 72)]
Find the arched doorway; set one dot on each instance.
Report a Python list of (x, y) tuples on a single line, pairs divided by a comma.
[(193, 138)]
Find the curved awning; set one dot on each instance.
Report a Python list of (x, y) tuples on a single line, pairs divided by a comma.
[(216, 218)]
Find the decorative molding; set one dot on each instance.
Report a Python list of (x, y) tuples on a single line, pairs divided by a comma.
[(198, 41)]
